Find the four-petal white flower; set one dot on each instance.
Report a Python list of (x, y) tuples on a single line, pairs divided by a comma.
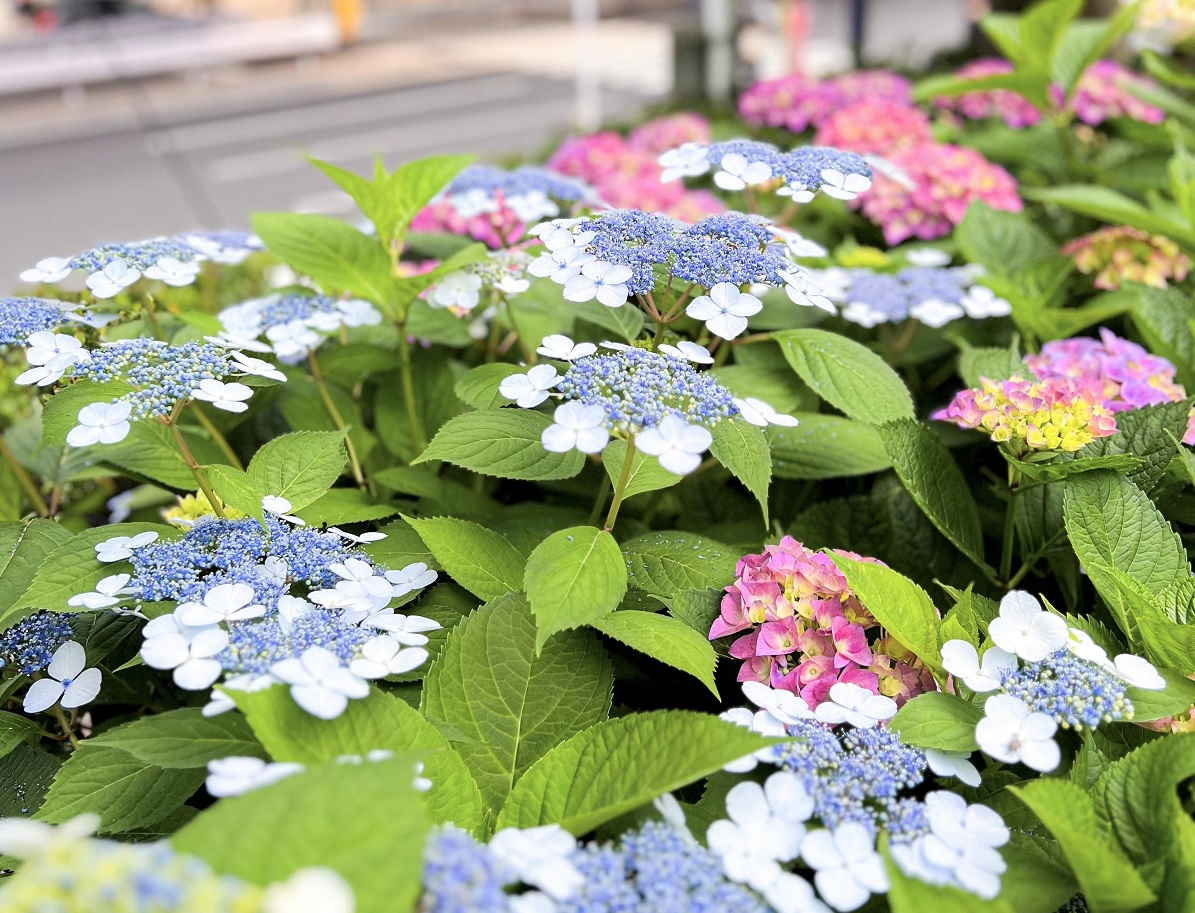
[(319, 683), (765, 827), (576, 426), (725, 310), (675, 443), (222, 603), (69, 683), (598, 279), (759, 413), (120, 547), (1026, 629), (737, 172), (1010, 732), (108, 592), (854, 704), (962, 660), (849, 870), (101, 423), (236, 775), (843, 186), (227, 396), (564, 349), (530, 389)]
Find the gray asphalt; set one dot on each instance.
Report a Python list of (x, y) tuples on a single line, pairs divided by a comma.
[(63, 197)]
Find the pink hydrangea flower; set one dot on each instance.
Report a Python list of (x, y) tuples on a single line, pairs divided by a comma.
[(802, 629), (1015, 111), (1115, 372), (797, 102), (669, 132), (946, 180), (496, 230), (877, 126), (1103, 93)]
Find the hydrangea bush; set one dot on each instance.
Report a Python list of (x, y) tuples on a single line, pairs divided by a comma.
[(613, 534)]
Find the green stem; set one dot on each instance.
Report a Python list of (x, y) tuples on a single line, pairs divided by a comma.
[(153, 317), (333, 413), (418, 435), (215, 435), (189, 459), (655, 343), (66, 726), (1010, 525), (24, 480), (620, 487), (1033, 559)]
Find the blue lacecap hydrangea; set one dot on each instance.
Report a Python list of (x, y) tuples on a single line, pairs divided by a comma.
[(637, 388), (802, 167), (1078, 694), (22, 317), (140, 255), (654, 869), (518, 181), (285, 308), (860, 775), (730, 247), (896, 294), (162, 374), (216, 551), (254, 647), (29, 645)]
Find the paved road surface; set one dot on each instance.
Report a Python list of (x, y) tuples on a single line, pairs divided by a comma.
[(61, 197)]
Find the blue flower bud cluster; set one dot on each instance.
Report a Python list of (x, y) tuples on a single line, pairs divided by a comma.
[(731, 247), (637, 388), (1078, 694), (216, 551), (800, 168), (891, 297), (29, 645), (139, 255), (858, 775), (162, 374), (461, 875), (254, 647), (518, 182), (655, 869), (21, 317)]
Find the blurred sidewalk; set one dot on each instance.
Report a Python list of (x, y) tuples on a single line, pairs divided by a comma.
[(628, 54)]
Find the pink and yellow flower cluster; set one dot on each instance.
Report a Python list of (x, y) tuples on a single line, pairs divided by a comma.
[(797, 102), (1118, 374), (945, 181), (625, 172), (1057, 413), (803, 628), (1120, 254)]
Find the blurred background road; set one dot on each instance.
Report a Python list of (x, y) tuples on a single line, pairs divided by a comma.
[(166, 116)]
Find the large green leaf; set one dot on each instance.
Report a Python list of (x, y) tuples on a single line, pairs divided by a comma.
[(380, 721), (61, 412), (1164, 319), (666, 639), (123, 790), (365, 821), (743, 449), (666, 563), (511, 704), (1108, 878), (898, 604), (847, 375), (827, 447), (1148, 434), (300, 466), (1111, 521), (934, 480), (182, 738), (24, 548), (479, 560), (72, 568), (1110, 206), (939, 720), (573, 578), (14, 729), (334, 254), (503, 443), (1003, 242), (621, 764)]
